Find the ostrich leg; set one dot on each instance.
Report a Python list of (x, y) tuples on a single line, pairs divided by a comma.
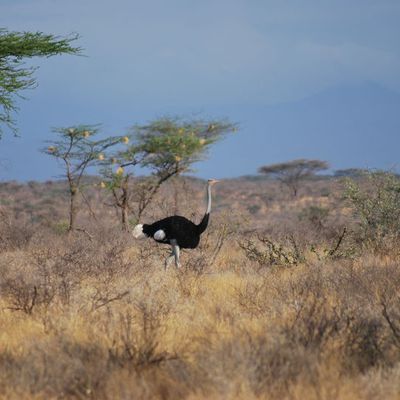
[(169, 260), (176, 253)]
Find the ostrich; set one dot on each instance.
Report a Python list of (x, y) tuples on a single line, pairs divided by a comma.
[(176, 230)]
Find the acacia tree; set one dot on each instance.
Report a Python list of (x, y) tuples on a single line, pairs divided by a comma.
[(76, 150), (291, 173), (167, 147), (350, 172), (15, 48)]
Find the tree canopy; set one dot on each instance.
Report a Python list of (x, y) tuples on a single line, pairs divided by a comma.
[(172, 145), (292, 172), (350, 172), (15, 76)]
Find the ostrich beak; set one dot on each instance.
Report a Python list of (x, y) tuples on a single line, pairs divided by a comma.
[(213, 181)]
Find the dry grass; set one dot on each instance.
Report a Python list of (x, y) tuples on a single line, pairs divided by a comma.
[(97, 317)]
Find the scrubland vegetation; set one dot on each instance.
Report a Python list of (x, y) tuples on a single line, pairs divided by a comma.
[(286, 298)]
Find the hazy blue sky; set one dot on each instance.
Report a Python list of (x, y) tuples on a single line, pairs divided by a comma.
[(236, 59)]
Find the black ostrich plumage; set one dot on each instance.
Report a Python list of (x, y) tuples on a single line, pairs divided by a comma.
[(178, 228)]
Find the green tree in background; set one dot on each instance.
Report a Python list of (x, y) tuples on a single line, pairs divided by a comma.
[(292, 173), (167, 147), (351, 173), (76, 150), (376, 203), (15, 76)]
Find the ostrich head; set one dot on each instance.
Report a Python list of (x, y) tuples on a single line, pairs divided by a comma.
[(212, 182)]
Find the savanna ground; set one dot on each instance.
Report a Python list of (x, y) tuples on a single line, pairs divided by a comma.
[(284, 299)]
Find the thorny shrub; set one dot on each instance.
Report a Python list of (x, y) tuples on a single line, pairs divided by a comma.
[(376, 204)]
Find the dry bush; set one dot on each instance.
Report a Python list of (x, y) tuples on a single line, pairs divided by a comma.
[(292, 249), (264, 366), (274, 253), (52, 369), (14, 234), (136, 341)]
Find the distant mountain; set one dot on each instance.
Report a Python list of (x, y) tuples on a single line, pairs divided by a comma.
[(349, 126)]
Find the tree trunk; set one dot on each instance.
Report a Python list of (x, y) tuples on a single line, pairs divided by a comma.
[(176, 195), (124, 219), (73, 210), (124, 205)]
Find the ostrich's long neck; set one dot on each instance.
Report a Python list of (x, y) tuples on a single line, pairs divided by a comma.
[(204, 222)]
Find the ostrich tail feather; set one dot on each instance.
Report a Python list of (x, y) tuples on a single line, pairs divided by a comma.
[(138, 232)]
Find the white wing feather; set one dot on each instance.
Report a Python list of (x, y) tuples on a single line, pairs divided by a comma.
[(159, 235)]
